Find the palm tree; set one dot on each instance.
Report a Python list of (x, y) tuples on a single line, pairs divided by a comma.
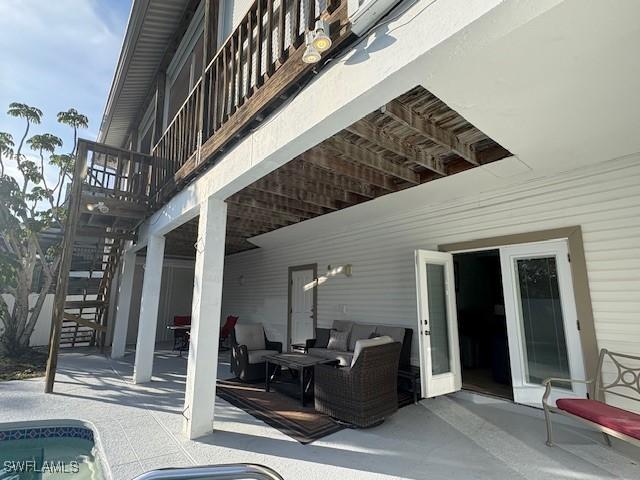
[(76, 120)]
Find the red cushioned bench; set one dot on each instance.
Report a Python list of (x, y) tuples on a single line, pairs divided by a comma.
[(610, 420)]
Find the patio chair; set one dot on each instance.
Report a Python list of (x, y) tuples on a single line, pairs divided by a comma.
[(181, 337), (226, 330), (249, 345), (365, 393)]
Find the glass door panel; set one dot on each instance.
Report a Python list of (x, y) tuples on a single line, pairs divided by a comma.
[(437, 304), (541, 318), (540, 307)]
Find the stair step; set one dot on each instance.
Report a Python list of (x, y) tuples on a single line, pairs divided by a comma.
[(77, 304)]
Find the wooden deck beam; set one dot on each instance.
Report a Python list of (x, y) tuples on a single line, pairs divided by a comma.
[(388, 141), (333, 161), (372, 159), (322, 176), (278, 201), (425, 127)]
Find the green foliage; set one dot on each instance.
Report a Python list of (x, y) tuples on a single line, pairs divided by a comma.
[(45, 142), (8, 269), (6, 144), (63, 162), (73, 118), (22, 110)]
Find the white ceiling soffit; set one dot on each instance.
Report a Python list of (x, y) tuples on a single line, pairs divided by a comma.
[(152, 24)]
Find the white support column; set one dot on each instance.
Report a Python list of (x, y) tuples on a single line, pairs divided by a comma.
[(119, 342), (205, 319), (145, 347)]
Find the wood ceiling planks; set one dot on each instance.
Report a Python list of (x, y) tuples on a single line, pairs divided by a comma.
[(413, 139)]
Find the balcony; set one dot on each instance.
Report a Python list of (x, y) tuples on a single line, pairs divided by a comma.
[(255, 70)]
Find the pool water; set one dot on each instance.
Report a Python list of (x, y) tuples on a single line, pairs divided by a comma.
[(49, 458)]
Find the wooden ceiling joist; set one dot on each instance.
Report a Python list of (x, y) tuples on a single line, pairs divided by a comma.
[(298, 194), (336, 163), (372, 159), (329, 180), (423, 126), (242, 211), (284, 211), (284, 201)]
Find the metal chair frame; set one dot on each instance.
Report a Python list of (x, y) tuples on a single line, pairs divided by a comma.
[(627, 378)]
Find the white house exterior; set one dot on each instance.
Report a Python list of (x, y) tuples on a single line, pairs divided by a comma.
[(554, 82)]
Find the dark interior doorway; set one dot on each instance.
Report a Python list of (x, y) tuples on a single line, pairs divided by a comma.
[(484, 347)]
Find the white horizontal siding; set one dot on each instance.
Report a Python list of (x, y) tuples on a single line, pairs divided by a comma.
[(604, 201), (176, 292)]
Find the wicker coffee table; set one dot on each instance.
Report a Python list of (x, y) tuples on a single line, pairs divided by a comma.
[(299, 362)]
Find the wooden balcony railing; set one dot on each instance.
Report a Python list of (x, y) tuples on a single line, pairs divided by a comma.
[(179, 141), (115, 173), (255, 67)]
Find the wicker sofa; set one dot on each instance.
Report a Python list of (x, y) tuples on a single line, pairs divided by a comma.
[(358, 331), (249, 345), (363, 394)]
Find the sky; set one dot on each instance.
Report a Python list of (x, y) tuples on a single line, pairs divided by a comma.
[(59, 54)]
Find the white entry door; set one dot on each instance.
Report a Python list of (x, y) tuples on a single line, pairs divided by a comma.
[(437, 324), (542, 323), (302, 305)]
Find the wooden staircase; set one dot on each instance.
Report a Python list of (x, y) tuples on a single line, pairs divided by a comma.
[(109, 198), (93, 267)]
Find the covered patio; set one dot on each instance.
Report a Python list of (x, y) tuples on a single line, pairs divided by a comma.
[(460, 436)]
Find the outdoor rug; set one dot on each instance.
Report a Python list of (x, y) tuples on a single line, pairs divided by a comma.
[(281, 411)]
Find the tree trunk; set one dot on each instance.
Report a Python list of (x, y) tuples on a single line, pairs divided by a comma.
[(13, 339), (37, 307)]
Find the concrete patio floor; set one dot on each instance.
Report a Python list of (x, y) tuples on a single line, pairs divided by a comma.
[(461, 436)]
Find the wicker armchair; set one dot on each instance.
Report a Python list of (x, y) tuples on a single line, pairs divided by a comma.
[(249, 345), (363, 394)]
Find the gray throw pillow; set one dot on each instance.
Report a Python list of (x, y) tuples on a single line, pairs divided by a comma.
[(338, 341)]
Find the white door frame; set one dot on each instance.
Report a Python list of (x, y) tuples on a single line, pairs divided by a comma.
[(524, 391), (451, 381), (569, 296)]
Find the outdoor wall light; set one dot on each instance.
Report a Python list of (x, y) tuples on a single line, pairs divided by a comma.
[(310, 55), (100, 206), (331, 272), (321, 40), (316, 41)]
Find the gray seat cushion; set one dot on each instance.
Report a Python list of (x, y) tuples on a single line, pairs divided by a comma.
[(397, 333), (344, 358), (257, 356), (251, 335), (360, 331)]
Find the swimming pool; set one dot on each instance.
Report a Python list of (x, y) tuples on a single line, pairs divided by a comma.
[(51, 450)]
